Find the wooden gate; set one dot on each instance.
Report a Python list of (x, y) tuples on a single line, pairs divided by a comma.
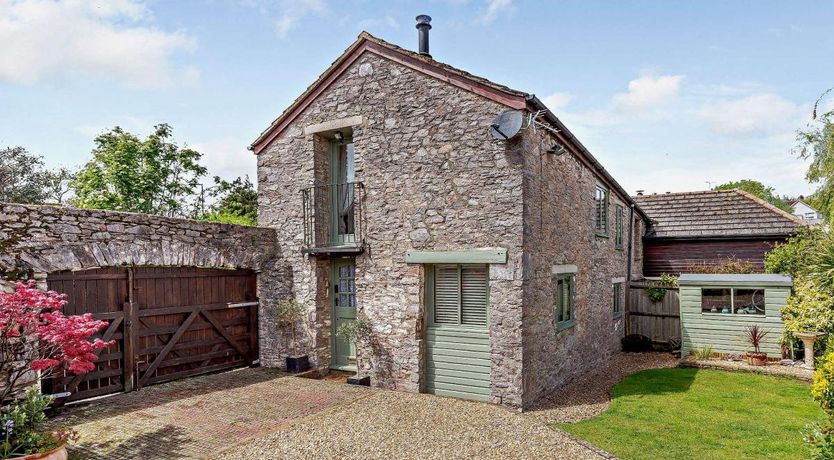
[(167, 323), (660, 321)]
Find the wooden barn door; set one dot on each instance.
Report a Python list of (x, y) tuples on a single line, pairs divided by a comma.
[(167, 323)]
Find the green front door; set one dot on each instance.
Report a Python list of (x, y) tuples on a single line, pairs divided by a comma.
[(344, 309)]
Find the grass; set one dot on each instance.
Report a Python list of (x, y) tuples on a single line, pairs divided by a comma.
[(703, 414)]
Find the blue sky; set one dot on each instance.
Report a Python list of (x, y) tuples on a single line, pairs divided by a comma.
[(667, 94)]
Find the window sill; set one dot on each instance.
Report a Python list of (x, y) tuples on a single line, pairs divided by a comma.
[(601, 235), (618, 315), (621, 249), (564, 325), (735, 315)]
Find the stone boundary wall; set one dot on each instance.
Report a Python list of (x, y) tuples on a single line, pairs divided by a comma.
[(36, 240)]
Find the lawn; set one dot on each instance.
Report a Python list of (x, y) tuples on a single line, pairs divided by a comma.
[(703, 414)]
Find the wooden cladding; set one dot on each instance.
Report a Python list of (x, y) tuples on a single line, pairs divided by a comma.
[(677, 256), (167, 323)]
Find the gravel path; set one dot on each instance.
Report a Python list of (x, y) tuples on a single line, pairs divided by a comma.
[(590, 396), (389, 424), (796, 372)]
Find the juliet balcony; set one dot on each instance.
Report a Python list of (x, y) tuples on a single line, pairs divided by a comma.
[(333, 218)]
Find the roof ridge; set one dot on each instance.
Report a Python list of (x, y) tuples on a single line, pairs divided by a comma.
[(694, 192)]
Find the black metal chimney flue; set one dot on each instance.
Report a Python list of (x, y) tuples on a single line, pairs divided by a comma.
[(423, 26)]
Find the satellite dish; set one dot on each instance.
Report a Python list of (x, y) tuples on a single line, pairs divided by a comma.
[(507, 125)]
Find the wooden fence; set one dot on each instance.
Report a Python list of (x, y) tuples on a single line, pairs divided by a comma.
[(660, 321)]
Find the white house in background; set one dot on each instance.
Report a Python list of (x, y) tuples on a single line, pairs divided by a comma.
[(801, 209)]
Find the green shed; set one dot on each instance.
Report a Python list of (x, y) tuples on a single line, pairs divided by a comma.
[(717, 308)]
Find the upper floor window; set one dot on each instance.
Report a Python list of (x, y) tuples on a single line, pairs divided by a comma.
[(619, 230), (601, 213)]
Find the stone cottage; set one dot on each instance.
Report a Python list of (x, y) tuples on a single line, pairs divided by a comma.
[(488, 269)]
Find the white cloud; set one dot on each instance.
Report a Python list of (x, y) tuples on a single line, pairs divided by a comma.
[(557, 100), (378, 23), (761, 114), (45, 40), (493, 9), (648, 92), (228, 158), (287, 13)]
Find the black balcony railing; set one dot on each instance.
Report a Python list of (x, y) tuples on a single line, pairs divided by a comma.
[(333, 217)]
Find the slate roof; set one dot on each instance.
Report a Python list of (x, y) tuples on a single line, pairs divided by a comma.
[(714, 214)]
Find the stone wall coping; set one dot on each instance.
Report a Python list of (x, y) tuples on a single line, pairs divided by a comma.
[(106, 213)]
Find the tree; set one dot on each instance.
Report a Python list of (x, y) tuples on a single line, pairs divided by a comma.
[(152, 176), (758, 189), (23, 178), (237, 202), (58, 184), (816, 142)]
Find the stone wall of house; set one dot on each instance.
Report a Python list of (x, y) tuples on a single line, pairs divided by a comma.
[(433, 181), (37, 240), (559, 230)]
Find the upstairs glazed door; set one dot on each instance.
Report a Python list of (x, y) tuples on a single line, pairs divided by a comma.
[(343, 177), (344, 310)]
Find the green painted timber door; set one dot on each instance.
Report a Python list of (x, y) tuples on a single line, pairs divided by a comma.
[(457, 332), (344, 310)]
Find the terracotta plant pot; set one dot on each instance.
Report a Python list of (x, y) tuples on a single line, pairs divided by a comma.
[(757, 359), (59, 453)]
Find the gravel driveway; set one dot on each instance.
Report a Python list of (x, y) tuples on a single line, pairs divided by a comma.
[(396, 425)]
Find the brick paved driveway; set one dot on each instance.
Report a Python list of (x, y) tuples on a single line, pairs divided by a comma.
[(197, 417)]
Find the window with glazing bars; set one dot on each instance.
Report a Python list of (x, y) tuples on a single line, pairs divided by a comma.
[(461, 294), (619, 231), (601, 213), (618, 299), (564, 300)]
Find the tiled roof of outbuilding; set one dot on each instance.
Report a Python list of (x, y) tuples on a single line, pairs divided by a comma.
[(714, 214)]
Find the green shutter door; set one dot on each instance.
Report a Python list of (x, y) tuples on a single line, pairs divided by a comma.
[(457, 334)]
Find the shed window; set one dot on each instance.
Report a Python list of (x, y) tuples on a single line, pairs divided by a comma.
[(460, 294), (565, 291), (735, 301), (619, 229), (601, 212), (618, 300)]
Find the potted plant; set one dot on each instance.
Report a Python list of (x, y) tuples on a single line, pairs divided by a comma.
[(37, 341), (755, 335), (356, 331), (290, 312)]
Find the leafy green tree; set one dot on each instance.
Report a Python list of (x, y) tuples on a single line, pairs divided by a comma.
[(153, 176), (816, 142), (237, 202), (23, 177), (758, 189)]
